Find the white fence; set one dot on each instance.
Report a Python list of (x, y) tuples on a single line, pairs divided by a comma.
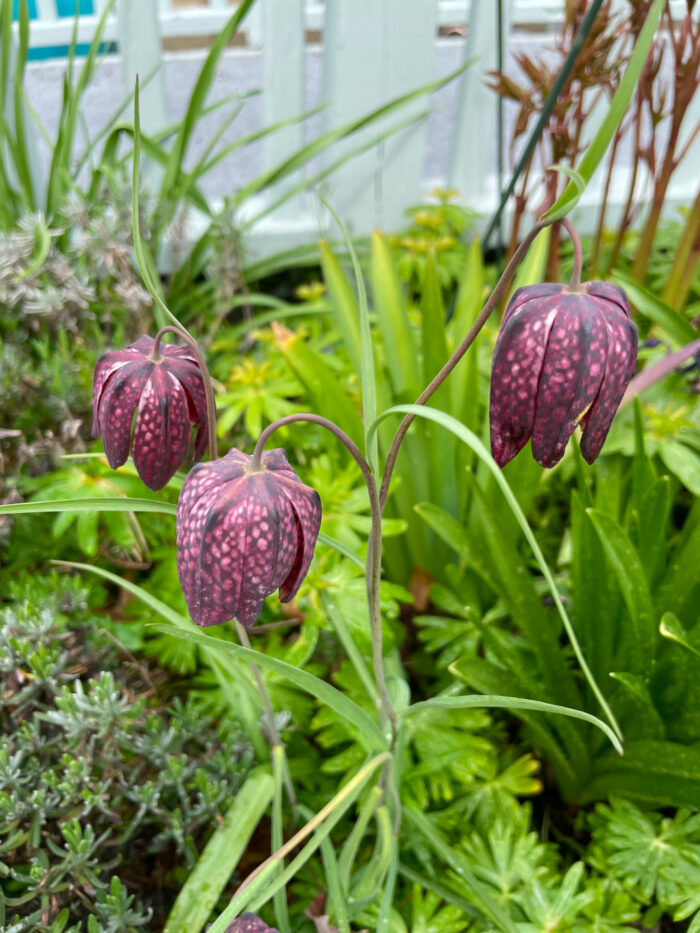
[(372, 51)]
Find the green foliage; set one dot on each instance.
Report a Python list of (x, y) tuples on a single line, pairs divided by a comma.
[(97, 788)]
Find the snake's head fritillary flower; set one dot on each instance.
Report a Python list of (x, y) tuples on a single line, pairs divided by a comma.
[(242, 533), (168, 391), (563, 357), (250, 923)]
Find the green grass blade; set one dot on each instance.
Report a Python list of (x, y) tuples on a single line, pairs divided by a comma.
[(471, 440), (512, 703), (117, 504), (671, 323), (280, 899), (614, 116), (367, 377), (216, 864)]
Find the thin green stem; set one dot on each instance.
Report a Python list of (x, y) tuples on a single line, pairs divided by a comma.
[(206, 378), (373, 570), (575, 283), (494, 298)]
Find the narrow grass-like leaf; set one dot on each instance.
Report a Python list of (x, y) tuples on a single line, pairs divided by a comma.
[(351, 649), (205, 883), (469, 438), (367, 378), (346, 311), (321, 825), (116, 504), (673, 325), (614, 116), (278, 765), (512, 703)]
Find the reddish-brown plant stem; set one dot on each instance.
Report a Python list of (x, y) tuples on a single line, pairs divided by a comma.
[(575, 283), (206, 378), (495, 296)]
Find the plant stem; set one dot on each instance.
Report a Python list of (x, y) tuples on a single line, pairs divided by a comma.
[(473, 332), (575, 283), (275, 740), (206, 378), (373, 570)]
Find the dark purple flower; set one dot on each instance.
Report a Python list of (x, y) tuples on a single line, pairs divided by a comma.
[(169, 394), (241, 534), (250, 923), (562, 358)]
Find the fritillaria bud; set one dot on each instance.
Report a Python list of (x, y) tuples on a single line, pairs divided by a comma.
[(250, 923), (167, 390), (563, 357), (243, 532)]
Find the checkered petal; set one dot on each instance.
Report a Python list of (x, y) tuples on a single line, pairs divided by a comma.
[(250, 923), (243, 534), (562, 358), (187, 372), (118, 403), (162, 433), (620, 364), (517, 363), (571, 376)]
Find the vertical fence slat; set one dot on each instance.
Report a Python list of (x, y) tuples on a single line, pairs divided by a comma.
[(283, 75), (473, 159), (140, 49), (372, 53), (46, 9)]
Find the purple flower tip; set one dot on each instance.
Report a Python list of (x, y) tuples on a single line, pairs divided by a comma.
[(562, 358), (250, 923), (242, 534), (170, 398)]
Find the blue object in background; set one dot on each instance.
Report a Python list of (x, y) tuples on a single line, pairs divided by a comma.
[(63, 8)]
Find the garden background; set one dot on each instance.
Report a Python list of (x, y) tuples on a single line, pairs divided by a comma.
[(456, 767)]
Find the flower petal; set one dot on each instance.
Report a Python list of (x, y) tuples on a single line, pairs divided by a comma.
[(517, 362), (118, 402), (189, 374), (162, 433), (571, 375), (306, 504), (620, 366)]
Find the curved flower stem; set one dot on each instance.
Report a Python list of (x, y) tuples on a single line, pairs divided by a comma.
[(206, 378), (575, 283), (374, 547), (275, 740), (472, 333)]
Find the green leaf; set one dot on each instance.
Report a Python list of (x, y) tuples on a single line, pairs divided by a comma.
[(672, 325), (346, 311), (367, 378), (122, 504), (663, 774), (614, 116), (471, 440), (392, 318), (512, 703), (672, 629), (627, 567), (206, 882)]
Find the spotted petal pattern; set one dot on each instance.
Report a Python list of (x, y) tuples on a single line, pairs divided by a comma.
[(241, 534), (562, 358), (169, 396), (250, 923)]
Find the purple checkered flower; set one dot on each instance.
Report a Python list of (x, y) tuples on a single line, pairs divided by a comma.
[(168, 392), (562, 358), (242, 533), (250, 923)]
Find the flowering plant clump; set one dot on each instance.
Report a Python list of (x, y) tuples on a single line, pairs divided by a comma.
[(244, 530), (250, 923), (165, 383), (564, 357)]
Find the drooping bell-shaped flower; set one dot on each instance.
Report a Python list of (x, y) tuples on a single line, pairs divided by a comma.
[(250, 923), (168, 391), (242, 533), (563, 357)]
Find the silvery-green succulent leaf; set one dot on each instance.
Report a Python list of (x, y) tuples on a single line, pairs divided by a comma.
[(562, 358), (242, 534), (168, 395)]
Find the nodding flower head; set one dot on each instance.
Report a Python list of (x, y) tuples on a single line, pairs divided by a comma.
[(250, 923), (562, 358), (243, 532), (168, 391)]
